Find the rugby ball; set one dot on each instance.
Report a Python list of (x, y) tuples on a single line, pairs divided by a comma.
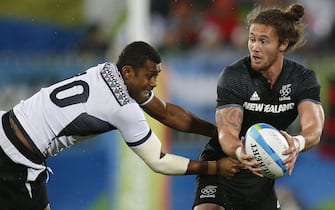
[(267, 144)]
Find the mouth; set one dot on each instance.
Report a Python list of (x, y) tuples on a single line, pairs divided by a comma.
[(256, 59)]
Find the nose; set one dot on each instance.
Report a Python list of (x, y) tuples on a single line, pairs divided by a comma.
[(254, 46)]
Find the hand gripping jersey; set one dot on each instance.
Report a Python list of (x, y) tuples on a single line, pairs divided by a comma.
[(91, 103)]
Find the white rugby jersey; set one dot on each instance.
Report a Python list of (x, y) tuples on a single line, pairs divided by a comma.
[(88, 104)]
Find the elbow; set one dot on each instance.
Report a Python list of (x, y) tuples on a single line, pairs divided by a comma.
[(318, 135), (316, 141), (159, 168), (318, 138), (170, 165)]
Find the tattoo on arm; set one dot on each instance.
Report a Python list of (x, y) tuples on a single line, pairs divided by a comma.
[(230, 116)]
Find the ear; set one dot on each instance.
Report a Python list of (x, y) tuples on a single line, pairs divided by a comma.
[(283, 46), (127, 72)]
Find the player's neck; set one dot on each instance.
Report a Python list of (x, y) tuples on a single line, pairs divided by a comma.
[(274, 71)]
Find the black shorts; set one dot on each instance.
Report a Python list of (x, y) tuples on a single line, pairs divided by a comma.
[(14, 193), (235, 193)]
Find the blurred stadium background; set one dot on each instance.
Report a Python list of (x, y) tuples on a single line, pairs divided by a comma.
[(42, 42)]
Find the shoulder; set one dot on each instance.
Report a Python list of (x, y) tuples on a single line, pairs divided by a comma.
[(237, 71), (296, 67), (299, 72), (115, 83), (240, 65)]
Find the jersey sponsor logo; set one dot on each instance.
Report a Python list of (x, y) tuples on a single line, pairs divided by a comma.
[(115, 83), (255, 97), (208, 191), (285, 92), (268, 108)]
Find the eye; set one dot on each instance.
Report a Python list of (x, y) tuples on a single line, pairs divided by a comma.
[(251, 39), (264, 41)]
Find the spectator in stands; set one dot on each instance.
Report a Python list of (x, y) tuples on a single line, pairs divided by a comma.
[(183, 26), (93, 45), (320, 21), (220, 23)]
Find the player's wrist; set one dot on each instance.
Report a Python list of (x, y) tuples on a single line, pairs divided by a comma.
[(238, 152), (212, 167), (299, 142)]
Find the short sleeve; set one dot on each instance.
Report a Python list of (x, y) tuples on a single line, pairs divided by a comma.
[(309, 88), (230, 87), (131, 122)]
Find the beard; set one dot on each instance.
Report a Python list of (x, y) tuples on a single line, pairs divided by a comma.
[(265, 62)]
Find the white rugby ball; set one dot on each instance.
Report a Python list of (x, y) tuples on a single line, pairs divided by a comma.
[(267, 144)]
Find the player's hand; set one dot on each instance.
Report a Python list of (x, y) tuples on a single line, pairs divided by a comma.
[(228, 166), (249, 162), (292, 153)]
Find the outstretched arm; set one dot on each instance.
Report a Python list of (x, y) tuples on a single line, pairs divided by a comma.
[(178, 118), (151, 153)]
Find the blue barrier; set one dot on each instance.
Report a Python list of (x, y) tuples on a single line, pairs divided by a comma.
[(32, 36)]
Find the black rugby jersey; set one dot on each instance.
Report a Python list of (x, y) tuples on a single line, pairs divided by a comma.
[(277, 106), (239, 85)]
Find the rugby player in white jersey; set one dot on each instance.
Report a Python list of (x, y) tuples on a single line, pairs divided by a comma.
[(106, 97)]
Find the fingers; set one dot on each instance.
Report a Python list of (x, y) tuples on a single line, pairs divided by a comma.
[(252, 165), (290, 141), (290, 163), (292, 152), (228, 166), (234, 170), (257, 171)]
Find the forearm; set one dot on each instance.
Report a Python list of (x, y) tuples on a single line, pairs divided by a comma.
[(312, 122), (311, 137), (202, 127), (181, 119), (169, 164), (202, 167), (229, 122), (229, 143), (177, 117)]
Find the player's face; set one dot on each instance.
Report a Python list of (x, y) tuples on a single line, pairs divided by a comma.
[(141, 83), (264, 47)]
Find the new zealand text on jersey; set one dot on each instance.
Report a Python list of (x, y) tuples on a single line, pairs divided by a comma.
[(273, 108)]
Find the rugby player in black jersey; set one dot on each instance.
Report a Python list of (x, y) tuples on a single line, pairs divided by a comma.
[(103, 98), (262, 87)]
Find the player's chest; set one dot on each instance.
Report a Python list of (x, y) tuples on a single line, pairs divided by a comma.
[(260, 91), (261, 98)]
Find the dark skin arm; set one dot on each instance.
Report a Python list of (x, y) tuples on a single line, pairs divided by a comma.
[(227, 167), (178, 118)]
